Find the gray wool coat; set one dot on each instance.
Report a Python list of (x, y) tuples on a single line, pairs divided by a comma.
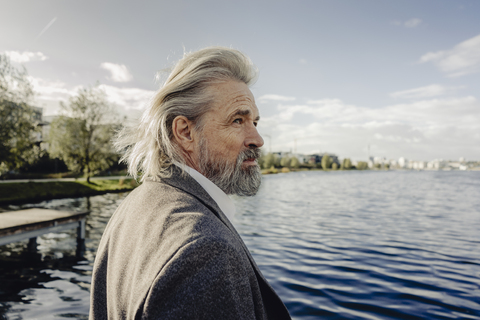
[(169, 252)]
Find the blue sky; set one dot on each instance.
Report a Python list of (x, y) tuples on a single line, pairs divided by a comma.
[(335, 76)]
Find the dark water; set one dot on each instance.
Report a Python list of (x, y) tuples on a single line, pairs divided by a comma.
[(335, 245)]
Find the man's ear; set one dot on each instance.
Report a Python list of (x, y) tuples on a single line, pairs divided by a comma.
[(182, 131)]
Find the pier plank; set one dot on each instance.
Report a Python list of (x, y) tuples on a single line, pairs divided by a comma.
[(13, 222), (31, 223)]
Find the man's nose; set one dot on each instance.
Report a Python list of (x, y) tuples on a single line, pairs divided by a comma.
[(253, 138)]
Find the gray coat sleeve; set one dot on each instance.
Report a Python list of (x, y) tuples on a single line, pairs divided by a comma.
[(205, 279)]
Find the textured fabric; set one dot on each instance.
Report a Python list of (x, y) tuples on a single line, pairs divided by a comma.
[(169, 252), (223, 201)]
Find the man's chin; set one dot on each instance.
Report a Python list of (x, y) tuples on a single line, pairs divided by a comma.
[(249, 172)]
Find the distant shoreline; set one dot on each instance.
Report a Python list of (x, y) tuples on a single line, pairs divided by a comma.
[(31, 192)]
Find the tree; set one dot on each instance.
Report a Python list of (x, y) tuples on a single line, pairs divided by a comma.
[(285, 161), (326, 162), (82, 135), (18, 119), (334, 166), (346, 164), (362, 165), (294, 163), (268, 161)]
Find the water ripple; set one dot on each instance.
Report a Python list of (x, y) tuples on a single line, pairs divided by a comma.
[(334, 245), (369, 245)]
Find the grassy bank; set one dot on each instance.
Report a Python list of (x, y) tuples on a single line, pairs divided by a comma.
[(13, 193)]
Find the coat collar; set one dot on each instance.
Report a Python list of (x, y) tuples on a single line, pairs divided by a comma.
[(183, 181)]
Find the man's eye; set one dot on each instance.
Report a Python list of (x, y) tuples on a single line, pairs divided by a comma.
[(239, 120)]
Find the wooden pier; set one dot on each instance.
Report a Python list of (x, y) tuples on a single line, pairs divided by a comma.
[(31, 223)]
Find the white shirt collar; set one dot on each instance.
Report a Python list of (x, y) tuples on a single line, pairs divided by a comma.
[(221, 198)]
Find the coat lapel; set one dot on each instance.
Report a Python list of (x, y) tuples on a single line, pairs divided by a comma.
[(185, 182)]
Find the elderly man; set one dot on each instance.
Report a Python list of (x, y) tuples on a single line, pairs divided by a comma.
[(170, 251)]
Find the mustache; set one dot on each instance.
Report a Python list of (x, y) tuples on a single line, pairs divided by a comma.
[(250, 154)]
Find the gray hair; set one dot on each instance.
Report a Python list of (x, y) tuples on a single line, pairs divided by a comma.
[(148, 145)]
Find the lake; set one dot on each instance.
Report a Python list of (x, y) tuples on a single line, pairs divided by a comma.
[(334, 245)]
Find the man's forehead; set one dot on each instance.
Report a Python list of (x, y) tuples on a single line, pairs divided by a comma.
[(234, 97), (233, 91)]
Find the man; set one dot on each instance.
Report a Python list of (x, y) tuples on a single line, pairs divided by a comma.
[(169, 251)]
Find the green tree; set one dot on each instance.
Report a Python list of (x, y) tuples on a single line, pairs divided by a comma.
[(346, 164), (82, 135), (268, 161), (261, 159), (294, 163), (334, 166), (18, 119), (285, 162), (362, 165), (326, 162)]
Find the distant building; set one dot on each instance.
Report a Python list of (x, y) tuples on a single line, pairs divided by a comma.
[(317, 157), (454, 165), (313, 158), (411, 164), (436, 164), (402, 163), (380, 160)]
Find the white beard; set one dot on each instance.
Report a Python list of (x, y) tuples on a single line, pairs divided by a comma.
[(227, 175)]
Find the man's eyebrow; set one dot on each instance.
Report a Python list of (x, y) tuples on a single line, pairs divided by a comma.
[(245, 112)]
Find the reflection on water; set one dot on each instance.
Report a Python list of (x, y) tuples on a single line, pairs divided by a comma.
[(335, 245), (55, 284)]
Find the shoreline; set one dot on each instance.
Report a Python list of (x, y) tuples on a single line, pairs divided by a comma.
[(31, 192), (15, 193)]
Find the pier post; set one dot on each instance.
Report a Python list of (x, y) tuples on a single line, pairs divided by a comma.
[(81, 238), (32, 245)]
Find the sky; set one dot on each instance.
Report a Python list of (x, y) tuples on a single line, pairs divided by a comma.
[(354, 78)]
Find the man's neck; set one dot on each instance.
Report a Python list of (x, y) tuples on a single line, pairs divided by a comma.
[(221, 198)]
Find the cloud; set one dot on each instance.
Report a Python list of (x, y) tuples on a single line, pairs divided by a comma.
[(412, 23), (423, 129), (128, 98), (51, 90), (462, 59), (25, 56), (50, 93), (119, 72), (430, 91), (275, 97), (302, 61)]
